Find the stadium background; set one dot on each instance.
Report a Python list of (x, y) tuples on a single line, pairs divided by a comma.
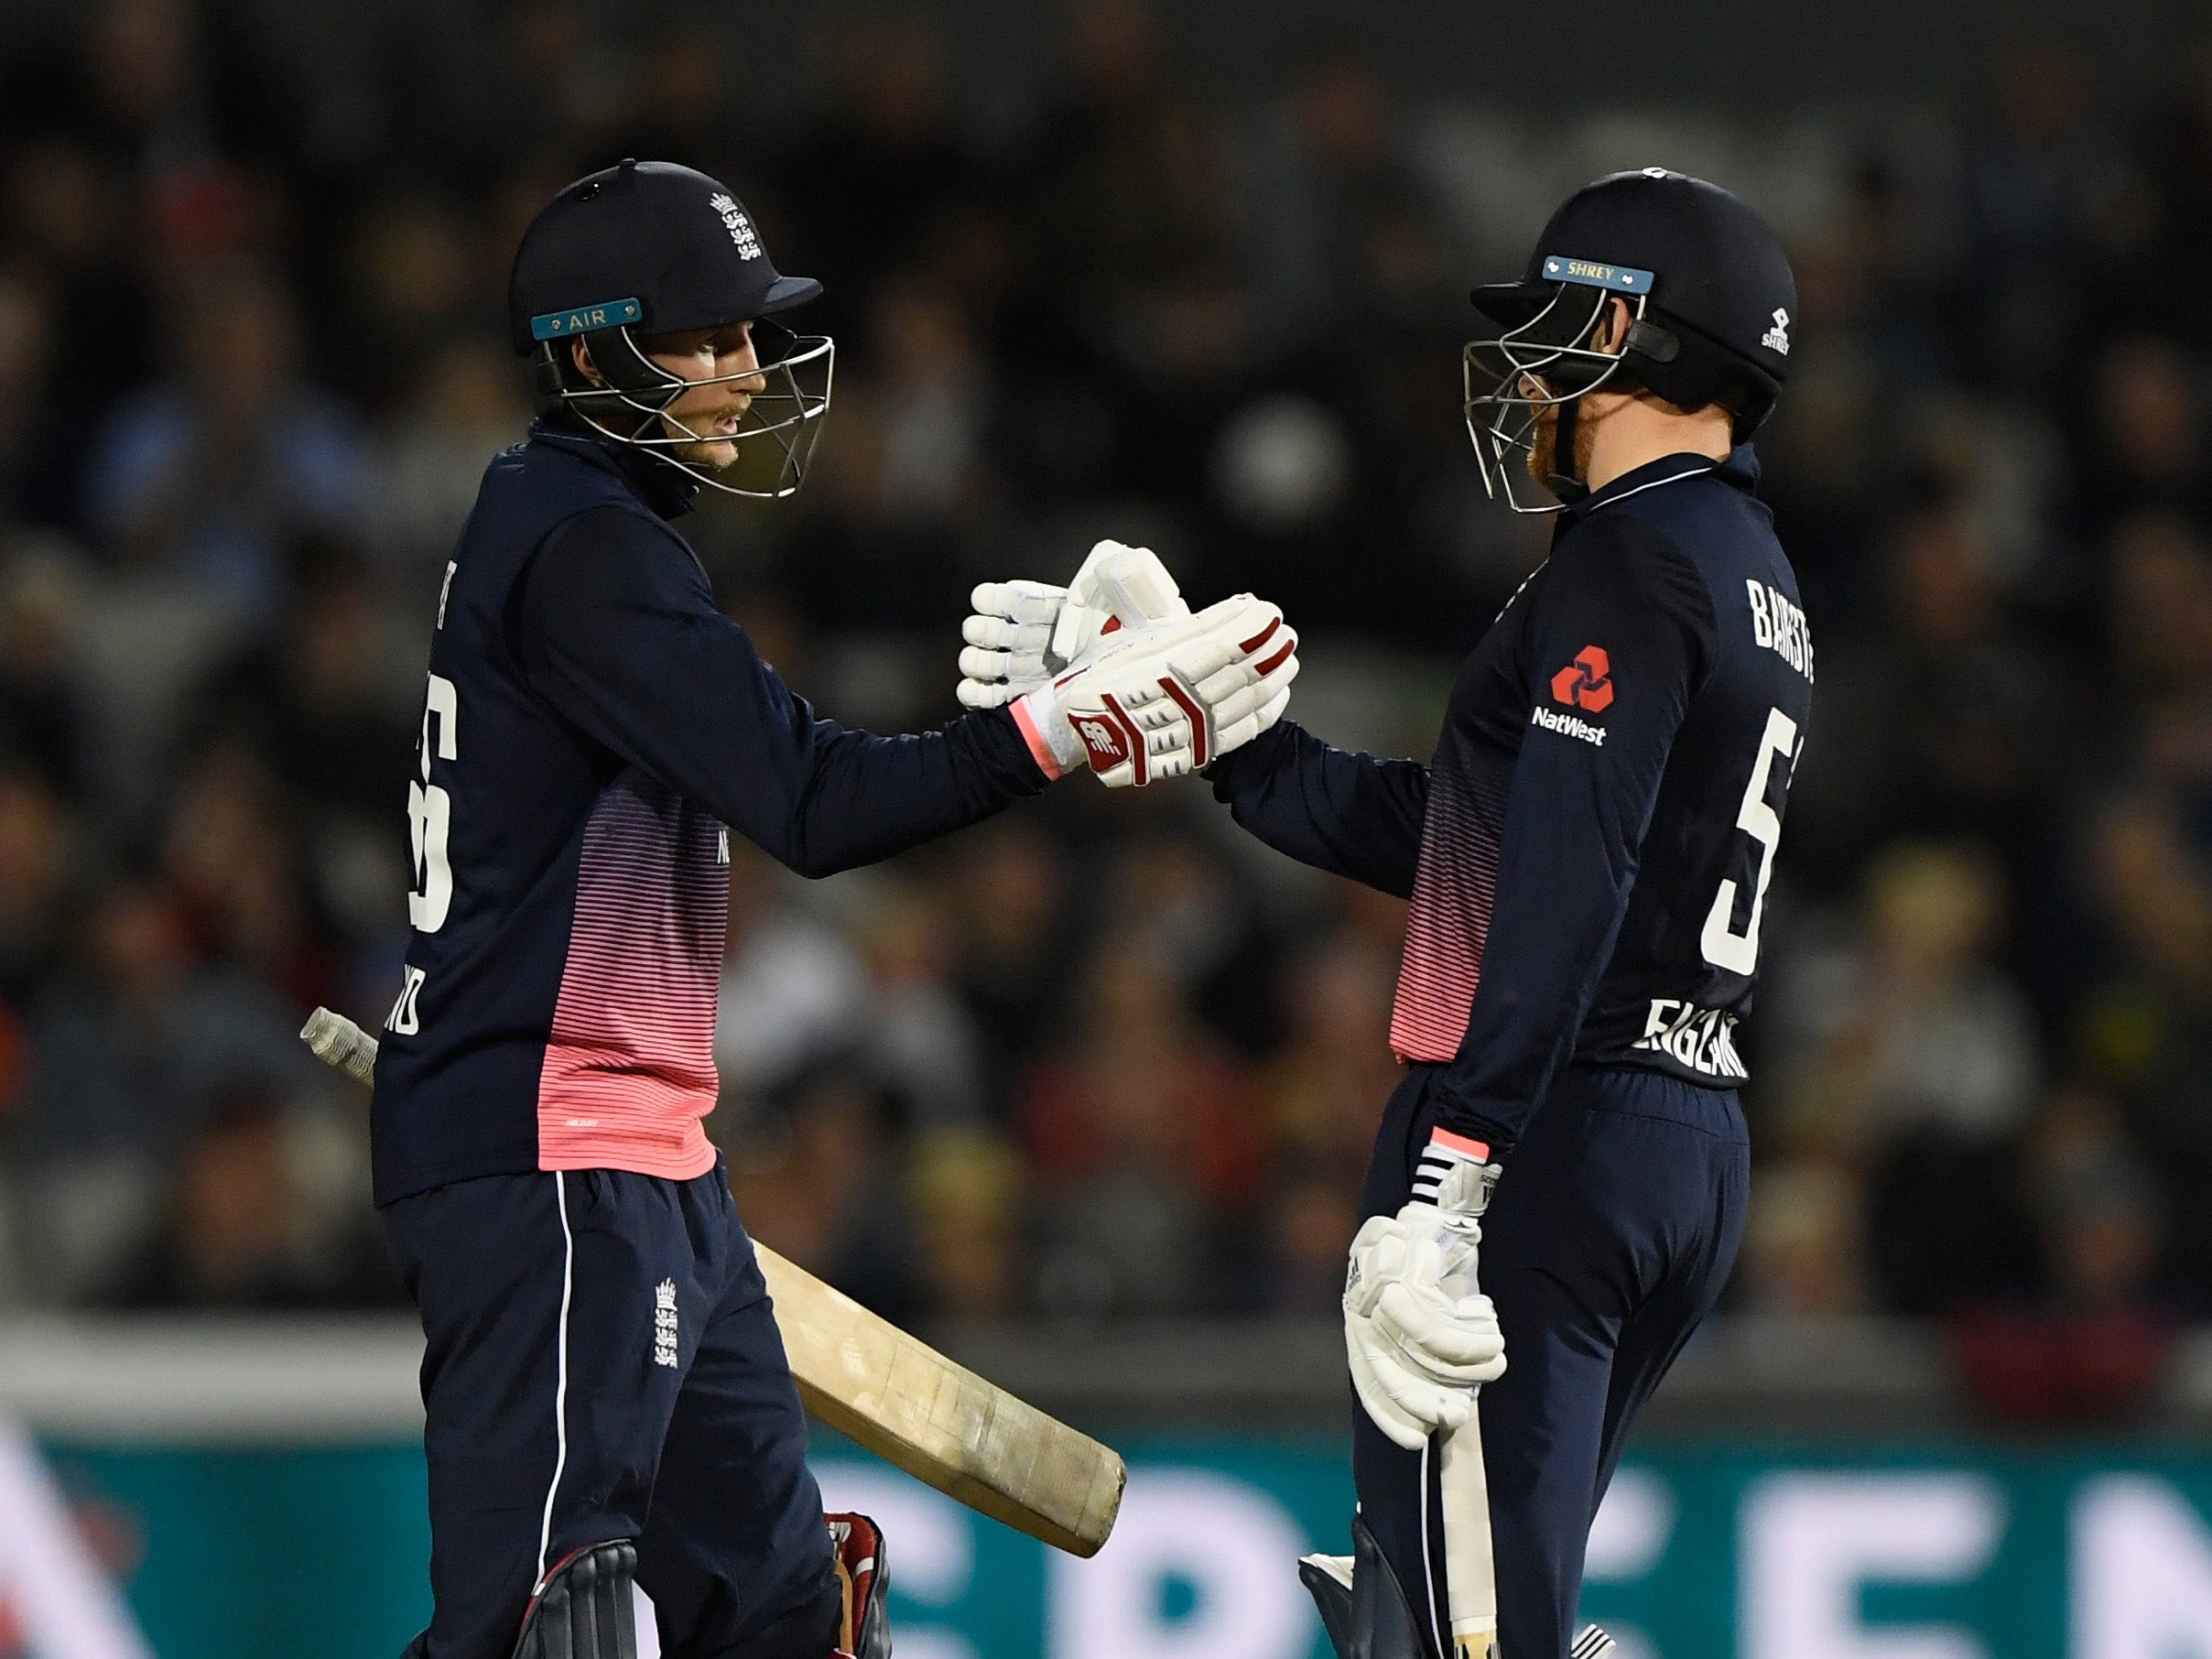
[(1193, 277)]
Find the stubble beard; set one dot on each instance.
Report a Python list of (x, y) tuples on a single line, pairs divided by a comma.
[(1544, 448), (714, 454)]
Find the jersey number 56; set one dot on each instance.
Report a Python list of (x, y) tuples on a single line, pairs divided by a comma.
[(1739, 952)]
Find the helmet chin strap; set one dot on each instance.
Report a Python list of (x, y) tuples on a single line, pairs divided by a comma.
[(1561, 481), (648, 376)]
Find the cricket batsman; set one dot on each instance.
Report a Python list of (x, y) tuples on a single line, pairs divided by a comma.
[(1587, 857), (607, 1395)]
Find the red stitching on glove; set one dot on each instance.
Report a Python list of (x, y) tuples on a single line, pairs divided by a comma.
[(1139, 758), (1197, 717)]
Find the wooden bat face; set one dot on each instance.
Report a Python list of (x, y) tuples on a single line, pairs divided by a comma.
[(940, 1422)]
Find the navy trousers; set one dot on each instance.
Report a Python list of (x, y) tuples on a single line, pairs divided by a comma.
[(1610, 1234), (603, 1363)]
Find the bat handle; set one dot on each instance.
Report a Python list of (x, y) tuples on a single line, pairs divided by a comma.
[(1469, 1573), (337, 1041)]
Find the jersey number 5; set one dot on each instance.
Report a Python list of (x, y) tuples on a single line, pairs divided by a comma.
[(430, 812), (1739, 952)]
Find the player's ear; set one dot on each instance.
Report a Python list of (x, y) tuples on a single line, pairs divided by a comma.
[(580, 354), (1612, 328)]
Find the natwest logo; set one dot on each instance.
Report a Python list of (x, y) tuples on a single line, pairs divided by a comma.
[(1567, 725), (1586, 682)]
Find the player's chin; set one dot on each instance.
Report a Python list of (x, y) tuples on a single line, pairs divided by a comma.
[(712, 455), (1541, 449)]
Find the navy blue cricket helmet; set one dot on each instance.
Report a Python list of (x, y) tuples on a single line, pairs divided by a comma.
[(1711, 302), (651, 248)]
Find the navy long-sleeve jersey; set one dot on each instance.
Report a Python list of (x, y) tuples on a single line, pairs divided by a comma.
[(595, 729), (1587, 854)]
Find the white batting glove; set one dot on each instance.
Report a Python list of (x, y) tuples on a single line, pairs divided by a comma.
[(1024, 632), (1167, 698), (1420, 1336), (1008, 639), (1404, 1402)]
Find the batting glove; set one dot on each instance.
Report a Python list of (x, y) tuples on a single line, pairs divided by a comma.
[(1420, 1336), (1009, 640), (1165, 699), (1024, 632)]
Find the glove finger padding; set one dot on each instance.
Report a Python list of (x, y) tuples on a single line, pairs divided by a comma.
[(1236, 689), (1241, 695), (1127, 584), (1076, 630), (996, 634), (1217, 672), (1406, 1406), (1007, 639), (1243, 715), (976, 662), (1455, 1341), (985, 694), (1032, 603)]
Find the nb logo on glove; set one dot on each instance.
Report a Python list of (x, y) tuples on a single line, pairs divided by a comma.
[(1101, 738)]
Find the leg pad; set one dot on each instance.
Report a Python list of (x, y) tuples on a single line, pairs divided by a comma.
[(1370, 1617), (585, 1609), (1328, 1578)]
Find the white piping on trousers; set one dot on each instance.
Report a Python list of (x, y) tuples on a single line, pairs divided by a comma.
[(561, 1387)]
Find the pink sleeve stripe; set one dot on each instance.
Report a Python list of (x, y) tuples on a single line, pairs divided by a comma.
[(1461, 1145), (1039, 750)]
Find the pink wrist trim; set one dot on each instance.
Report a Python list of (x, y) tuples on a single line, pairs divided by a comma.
[(1465, 1146), (1039, 750)]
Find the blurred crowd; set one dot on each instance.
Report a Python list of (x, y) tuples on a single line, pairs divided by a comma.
[(251, 363)]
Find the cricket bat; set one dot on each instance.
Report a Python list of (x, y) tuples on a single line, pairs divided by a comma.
[(896, 1395)]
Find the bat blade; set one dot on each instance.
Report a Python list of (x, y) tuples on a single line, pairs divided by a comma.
[(940, 1422), (894, 1394)]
